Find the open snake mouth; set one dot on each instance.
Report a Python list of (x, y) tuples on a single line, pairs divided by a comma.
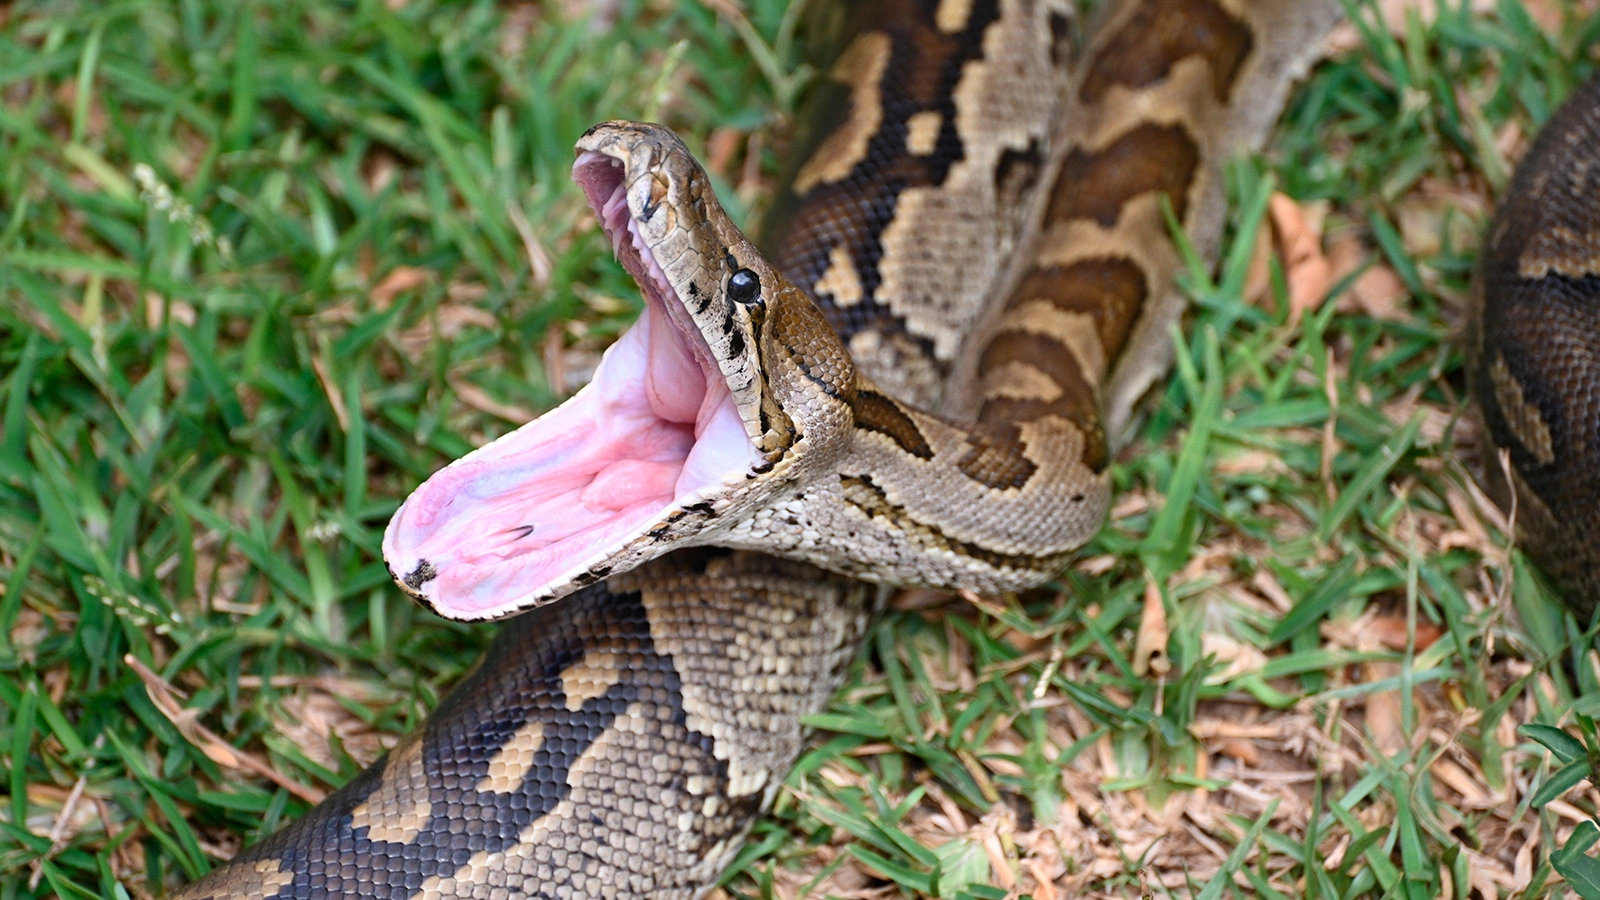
[(527, 517)]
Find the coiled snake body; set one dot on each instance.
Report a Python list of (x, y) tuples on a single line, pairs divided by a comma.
[(1533, 348), (619, 742)]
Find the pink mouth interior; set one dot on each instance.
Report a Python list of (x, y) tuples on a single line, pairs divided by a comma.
[(654, 431)]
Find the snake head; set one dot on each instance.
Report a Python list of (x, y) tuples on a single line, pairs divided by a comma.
[(685, 427)]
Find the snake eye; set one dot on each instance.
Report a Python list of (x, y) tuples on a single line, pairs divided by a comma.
[(744, 286)]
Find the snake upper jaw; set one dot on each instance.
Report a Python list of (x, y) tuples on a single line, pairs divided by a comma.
[(678, 436)]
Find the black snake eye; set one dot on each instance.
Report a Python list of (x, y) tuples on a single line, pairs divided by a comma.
[(744, 286)]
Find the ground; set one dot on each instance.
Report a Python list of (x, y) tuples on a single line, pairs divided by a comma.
[(265, 266)]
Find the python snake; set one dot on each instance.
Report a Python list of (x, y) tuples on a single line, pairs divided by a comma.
[(984, 234), (1533, 349)]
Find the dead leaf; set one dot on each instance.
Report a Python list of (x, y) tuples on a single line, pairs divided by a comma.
[(1390, 632), (1242, 750), (1306, 269), (334, 395), (209, 742), (1377, 290), (1383, 709), (1237, 658), (476, 398), (720, 149), (1150, 647), (400, 280), (539, 264)]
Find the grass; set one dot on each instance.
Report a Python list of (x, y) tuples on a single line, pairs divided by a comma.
[(264, 267)]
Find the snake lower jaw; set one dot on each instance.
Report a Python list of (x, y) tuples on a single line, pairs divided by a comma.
[(599, 484), (654, 447)]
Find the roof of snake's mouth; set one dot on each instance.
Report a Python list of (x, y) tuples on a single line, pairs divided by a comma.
[(522, 519)]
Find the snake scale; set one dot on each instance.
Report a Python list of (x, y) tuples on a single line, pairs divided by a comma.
[(1533, 348), (983, 231)]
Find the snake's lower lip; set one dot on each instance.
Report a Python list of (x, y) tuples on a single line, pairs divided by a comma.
[(522, 519)]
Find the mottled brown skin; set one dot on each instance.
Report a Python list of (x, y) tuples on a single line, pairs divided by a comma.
[(992, 507), (999, 490), (581, 757), (620, 742), (847, 208), (1533, 347)]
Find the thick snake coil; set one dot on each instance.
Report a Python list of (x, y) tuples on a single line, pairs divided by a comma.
[(620, 742), (1533, 347)]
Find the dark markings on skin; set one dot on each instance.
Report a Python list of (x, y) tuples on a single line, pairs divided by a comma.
[(777, 435), (865, 495), (876, 413), (657, 196), (521, 531), (658, 534), (1044, 353), (1533, 343), (1016, 173), (1062, 37), (1111, 289), (322, 855), (1160, 34), (727, 322), (855, 211), (735, 342), (729, 260), (997, 457), (421, 575), (828, 387), (1144, 159), (702, 299), (703, 508)]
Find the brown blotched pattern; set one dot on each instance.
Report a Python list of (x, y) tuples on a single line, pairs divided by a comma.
[(617, 744), (877, 413), (1533, 347), (1154, 38), (1169, 89), (1144, 159), (900, 230)]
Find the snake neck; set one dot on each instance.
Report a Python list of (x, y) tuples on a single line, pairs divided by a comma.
[(918, 500)]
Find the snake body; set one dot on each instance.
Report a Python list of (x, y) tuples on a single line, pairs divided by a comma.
[(1533, 348), (620, 742), (616, 744)]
